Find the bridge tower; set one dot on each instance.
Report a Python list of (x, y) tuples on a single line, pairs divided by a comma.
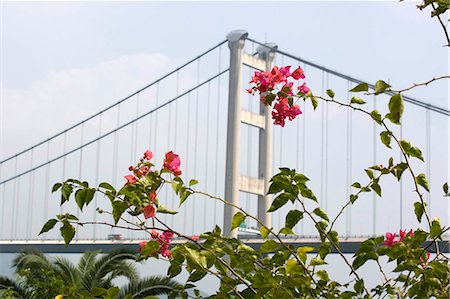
[(234, 181)]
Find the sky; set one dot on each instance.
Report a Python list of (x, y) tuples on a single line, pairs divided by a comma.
[(64, 61)]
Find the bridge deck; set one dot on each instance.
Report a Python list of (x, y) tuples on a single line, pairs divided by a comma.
[(349, 245)]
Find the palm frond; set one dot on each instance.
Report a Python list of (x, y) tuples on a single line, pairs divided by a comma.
[(20, 290), (88, 260), (150, 286), (67, 271), (30, 258), (104, 266)]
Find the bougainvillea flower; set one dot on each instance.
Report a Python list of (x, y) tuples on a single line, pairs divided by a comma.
[(285, 70), (131, 179), (152, 196), (390, 239), (149, 211), (304, 89), (172, 163), (168, 234), (403, 234), (298, 73), (148, 155), (287, 88), (294, 110), (195, 237)]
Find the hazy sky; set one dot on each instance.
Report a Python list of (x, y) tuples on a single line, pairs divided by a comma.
[(63, 61)]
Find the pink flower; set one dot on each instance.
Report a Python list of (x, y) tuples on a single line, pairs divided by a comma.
[(141, 245), (304, 89), (152, 196), (148, 155), (149, 211), (282, 110), (298, 73), (195, 237), (168, 234), (285, 71), (130, 179), (390, 239), (172, 163), (403, 234)]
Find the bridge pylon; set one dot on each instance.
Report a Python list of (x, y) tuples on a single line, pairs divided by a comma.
[(234, 181)]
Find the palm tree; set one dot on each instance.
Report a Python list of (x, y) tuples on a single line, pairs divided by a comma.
[(44, 278)]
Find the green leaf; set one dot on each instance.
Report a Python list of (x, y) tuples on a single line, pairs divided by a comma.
[(97, 291), (269, 246), (356, 185), (264, 232), (353, 198), (399, 169), (275, 187), (324, 249), (197, 275), (314, 102), (291, 266), (118, 208), (330, 93), (112, 293), (418, 210), (358, 101), (286, 231), (184, 194), (56, 187), (369, 173), (359, 286), (150, 248), (322, 214), (323, 275), (386, 138), (381, 86), (376, 116), (279, 201), (193, 182), (375, 187), (360, 87), (107, 186), (436, 228), (238, 218), (164, 210), (317, 261), (65, 192), (445, 188), (333, 236), (67, 232), (293, 217), (48, 226), (307, 193), (416, 153), (396, 108), (422, 181)]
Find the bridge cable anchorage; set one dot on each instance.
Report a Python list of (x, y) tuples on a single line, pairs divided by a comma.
[(117, 103), (411, 100), (114, 130)]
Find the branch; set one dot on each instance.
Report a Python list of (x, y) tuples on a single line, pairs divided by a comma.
[(443, 27)]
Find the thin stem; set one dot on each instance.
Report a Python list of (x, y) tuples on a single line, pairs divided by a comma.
[(443, 26), (412, 86)]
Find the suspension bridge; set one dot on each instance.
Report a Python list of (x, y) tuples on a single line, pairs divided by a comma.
[(226, 141)]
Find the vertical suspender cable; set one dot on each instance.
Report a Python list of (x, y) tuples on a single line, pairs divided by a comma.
[(3, 210), (304, 149), (80, 169), (208, 99), (322, 145), (177, 91), (187, 154), (30, 197), (138, 97), (115, 148), (217, 134), (374, 199), (401, 181), (326, 106), (47, 185), (16, 212), (428, 155), (349, 164), (64, 168), (97, 169), (194, 210)]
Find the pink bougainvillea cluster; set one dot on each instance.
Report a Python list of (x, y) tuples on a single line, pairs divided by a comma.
[(164, 241), (275, 86), (391, 239)]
